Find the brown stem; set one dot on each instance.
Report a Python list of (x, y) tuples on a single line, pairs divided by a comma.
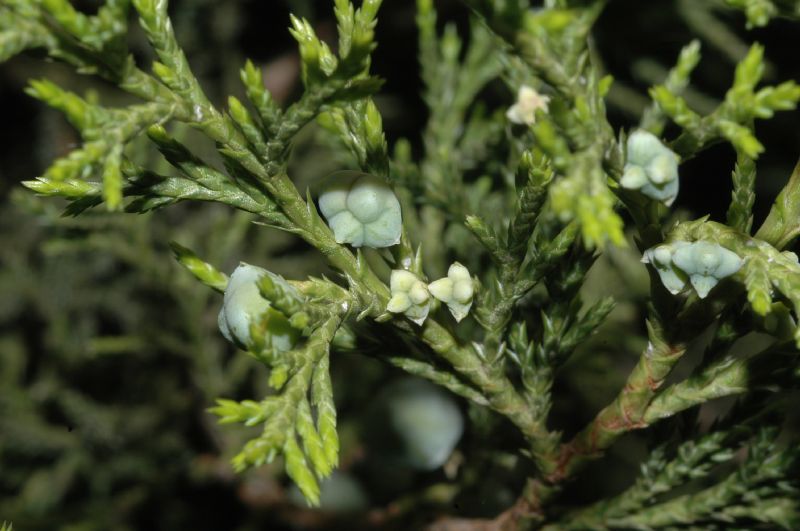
[(525, 512), (624, 414)]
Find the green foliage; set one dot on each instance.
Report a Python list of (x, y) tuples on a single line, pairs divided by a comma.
[(306, 437), (80, 433), (747, 494), (531, 207), (759, 12), (585, 196), (733, 120), (781, 227), (653, 119), (764, 270), (288, 417), (740, 211), (204, 272), (106, 131)]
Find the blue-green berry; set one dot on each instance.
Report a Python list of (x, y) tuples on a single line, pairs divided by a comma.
[(427, 421), (706, 263), (703, 263), (361, 209), (650, 167), (660, 257), (244, 310)]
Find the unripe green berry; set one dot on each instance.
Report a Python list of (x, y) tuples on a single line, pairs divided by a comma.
[(442, 289), (418, 293), (462, 292), (459, 273), (456, 290), (361, 209), (409, 296), (399, 303)]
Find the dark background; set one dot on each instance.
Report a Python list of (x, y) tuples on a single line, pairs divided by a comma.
[(114, 435), (632, 38)]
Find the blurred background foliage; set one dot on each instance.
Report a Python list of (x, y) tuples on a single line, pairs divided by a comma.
[(110, 353)]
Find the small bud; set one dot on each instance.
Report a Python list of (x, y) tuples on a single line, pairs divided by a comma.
[(455, 290), (529, 101), (409, 296), (651, 168), (361, 209)]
